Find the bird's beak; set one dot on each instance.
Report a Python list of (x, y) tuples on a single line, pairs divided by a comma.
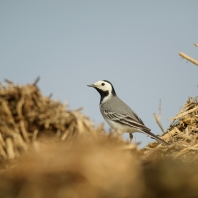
[(92, 85)]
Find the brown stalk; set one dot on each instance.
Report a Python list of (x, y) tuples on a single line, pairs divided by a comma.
[(188, 58)]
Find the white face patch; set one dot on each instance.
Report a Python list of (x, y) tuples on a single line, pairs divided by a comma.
[(104, 86)]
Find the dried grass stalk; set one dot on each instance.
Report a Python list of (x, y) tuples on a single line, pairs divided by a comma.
[(188, 58)]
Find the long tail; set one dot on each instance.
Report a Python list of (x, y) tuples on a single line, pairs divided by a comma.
[(155, 137)]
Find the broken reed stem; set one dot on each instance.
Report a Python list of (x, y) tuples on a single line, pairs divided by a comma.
[(183, 114), (10, 148), (158, 122), (36, 81), (158, 118), (188, 58), (24, 132), (2, 152), (2, 142)]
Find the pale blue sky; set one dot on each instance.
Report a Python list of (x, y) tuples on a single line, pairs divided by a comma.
[(133, 44)]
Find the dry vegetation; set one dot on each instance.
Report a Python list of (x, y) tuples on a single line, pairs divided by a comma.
[(182, 135), (48, 151)]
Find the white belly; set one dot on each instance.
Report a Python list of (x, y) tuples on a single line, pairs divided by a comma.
[(121, 128)]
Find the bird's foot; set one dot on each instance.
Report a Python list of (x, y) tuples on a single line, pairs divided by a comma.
[(130, 136)]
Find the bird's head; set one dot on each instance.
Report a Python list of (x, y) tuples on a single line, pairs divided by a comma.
[(105, 88)]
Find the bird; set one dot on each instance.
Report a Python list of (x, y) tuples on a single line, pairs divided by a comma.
[(118, 114)]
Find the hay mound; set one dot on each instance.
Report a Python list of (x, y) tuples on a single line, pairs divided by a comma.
[(27, 115), (89, 162), (182, 135), (96, 167), (87, 167)]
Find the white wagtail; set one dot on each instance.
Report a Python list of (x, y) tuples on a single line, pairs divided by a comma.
[(119, 115)]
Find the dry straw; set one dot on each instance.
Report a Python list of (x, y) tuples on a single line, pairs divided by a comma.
[(49, 151), (182, 135), (27, 115)]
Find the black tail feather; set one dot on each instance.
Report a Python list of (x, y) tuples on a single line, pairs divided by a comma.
[(155, 137)]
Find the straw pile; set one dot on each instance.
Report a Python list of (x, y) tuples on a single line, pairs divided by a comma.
[(96, 168), (182, 135), (26, 115), (88, 167), (63, 155)]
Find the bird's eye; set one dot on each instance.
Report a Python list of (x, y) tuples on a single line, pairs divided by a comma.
[(103, 84)]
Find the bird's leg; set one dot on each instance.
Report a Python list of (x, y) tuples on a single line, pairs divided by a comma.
[(130, 136)]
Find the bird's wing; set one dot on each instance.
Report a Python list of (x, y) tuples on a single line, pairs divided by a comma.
[(138, 118), (129, 121), (126, 119)]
